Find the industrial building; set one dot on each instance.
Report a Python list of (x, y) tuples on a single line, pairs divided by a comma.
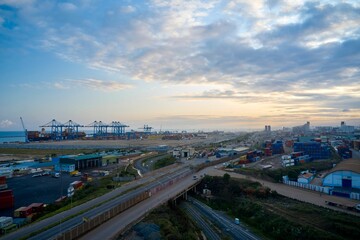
[(346, 175), (305, 177), (183, 152), (110, 159), (303, 129), (227, 152), (71, 163)]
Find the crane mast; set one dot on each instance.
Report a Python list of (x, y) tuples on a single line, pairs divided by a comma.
[(25, 130)]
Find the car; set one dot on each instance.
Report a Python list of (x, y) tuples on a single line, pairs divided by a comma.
[(357, 207), (37, 175)]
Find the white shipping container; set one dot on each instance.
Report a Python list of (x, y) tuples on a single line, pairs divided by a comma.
[(285, 157), (5, 221), (288, 161)]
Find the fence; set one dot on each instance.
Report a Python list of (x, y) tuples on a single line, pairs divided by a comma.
[(308, 186), (354, 195), (90, 224)]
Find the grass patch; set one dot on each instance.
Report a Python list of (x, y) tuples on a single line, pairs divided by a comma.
[(43, 152), (173, 223), (165, 161)]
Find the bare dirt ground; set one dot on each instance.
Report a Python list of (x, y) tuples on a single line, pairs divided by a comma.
[(84, 144)]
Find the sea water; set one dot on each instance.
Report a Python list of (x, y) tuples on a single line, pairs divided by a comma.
[(12, 136)]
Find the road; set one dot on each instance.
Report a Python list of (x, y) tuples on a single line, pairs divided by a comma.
[(118, 224), (228, 227), (24, 231), (200, 221), (300, 194)]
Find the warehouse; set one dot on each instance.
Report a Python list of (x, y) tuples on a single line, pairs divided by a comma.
[(82, 161), (110, 159), (345, 175)]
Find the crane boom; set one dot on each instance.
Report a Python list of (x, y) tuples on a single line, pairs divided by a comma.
[(25, 130)]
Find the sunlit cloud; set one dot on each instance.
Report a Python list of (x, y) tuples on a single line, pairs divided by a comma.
[(282, 54)]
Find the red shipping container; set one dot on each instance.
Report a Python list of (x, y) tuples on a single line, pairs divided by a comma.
[(37, 207), (6, 202), (2, 180), (6, 193)]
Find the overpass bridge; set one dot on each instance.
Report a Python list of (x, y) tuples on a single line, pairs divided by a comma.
[(125, 220)]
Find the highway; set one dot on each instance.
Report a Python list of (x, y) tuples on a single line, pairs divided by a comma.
[(228, 227), (112, 228), (199, 219), (57, 219)]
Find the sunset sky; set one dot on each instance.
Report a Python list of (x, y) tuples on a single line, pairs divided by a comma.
[(226, 65)]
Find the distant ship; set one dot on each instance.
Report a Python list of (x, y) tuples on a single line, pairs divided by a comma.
[(36, 136)]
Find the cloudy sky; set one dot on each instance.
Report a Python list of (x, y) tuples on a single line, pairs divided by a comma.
[(180, 64)]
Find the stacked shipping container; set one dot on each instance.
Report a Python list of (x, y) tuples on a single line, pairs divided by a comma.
[(277, 147), (314, 149), (344, 151)]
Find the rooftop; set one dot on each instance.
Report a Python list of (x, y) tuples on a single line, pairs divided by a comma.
[(82, 157), (347, 165)]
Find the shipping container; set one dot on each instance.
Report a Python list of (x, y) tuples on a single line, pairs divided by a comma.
[(37, 207), (6, 202), (6, 193), (77, 185), (2, 180), (5, 221), (60, 199), (23, 212)]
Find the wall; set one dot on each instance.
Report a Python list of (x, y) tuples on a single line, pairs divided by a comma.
[(308, 186)]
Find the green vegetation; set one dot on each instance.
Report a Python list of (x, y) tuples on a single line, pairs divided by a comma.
[(278, 217), (43, 152), (173, 224), (163, 162)]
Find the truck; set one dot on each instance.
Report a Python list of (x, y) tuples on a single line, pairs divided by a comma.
[(237, 221), (75, 173)]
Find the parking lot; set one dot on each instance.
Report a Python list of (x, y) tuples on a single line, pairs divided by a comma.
[(44, 189)]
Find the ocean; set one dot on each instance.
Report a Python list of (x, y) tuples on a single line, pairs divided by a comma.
[(12, 136)]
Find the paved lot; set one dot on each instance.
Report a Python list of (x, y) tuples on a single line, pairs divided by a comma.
[(44, 189)]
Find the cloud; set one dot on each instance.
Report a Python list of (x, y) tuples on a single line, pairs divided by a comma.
[(128, 9), (89, 83), (268, 51), (67, 6), (96, 84), (6, 123)]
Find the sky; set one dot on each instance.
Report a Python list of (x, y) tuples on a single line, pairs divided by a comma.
[(201, 65)]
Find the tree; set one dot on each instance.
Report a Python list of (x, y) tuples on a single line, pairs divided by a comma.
[(226, 178)]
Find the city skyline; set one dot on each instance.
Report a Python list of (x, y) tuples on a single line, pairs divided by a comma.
[(180, 64)]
